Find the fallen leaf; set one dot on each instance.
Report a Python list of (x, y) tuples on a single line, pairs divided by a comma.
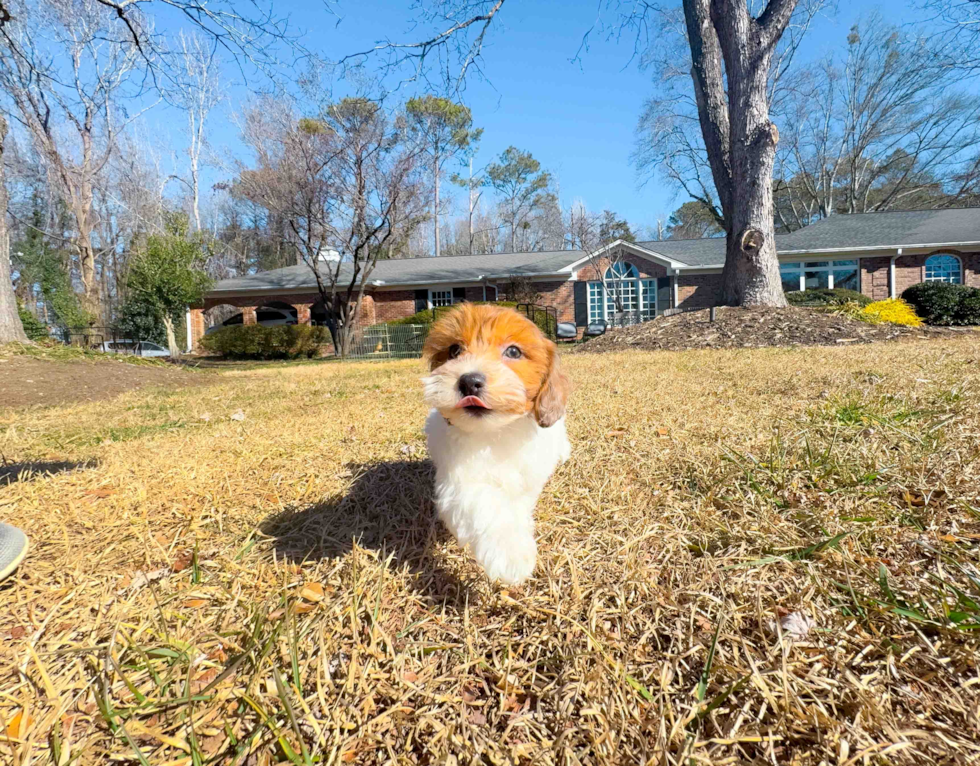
[(162, 538), (477, 718), (662, 432), (304, 608), (182, 561), (918, 501), (410, 676), (797, 625), (349, 756), (312, 591), (195, 603), (18, 631), (142, 579), (14, 725), (104, 492), (239, 416)]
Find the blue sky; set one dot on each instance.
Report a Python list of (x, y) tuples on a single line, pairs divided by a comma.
[(577, 118)]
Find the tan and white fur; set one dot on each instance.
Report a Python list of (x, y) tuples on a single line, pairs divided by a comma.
[(496, 432)]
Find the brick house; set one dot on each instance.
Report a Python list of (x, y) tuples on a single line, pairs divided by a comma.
[(878, 254)]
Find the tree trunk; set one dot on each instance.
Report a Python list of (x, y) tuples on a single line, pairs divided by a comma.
[(733, 111), (435, 207), (196, 192), (168, 323), (470, 189), (11, 329), (751, 274)]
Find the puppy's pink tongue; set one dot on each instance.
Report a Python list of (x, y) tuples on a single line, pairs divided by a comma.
[(471, 401)]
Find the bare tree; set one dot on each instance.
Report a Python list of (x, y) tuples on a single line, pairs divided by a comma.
[(348, 186), (62, 74), (883, 129), (197, 90), (11, 328)]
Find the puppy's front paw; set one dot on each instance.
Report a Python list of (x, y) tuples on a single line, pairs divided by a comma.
[(509, 560)]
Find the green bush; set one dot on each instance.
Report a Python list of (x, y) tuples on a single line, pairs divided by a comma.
[(824, 297), (253, 341), (968, 312), (941, 303), (33, 327)]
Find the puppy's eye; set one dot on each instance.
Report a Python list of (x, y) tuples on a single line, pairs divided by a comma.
[(454, 351), (513, 352)]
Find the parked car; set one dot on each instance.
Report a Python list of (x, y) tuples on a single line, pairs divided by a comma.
[(137, 348), (267, 317)]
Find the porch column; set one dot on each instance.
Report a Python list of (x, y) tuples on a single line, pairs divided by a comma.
[(248, 315), (302, 312), (196, 329)]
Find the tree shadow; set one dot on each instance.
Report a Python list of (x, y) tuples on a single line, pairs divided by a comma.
[(389, 509), (11, 473)]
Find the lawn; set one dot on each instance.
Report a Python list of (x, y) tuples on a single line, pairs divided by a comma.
[(753, 556)]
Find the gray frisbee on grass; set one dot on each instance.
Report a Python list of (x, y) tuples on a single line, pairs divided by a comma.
[(13, 548)]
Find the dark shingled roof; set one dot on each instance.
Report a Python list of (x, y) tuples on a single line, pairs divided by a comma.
[(857, 232), (410, 271), (693, 252), (873, 230)]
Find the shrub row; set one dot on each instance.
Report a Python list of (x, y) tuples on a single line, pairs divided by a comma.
[(829, 298), (254, 341), (940, 303)]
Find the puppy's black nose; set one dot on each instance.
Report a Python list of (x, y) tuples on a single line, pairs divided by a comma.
[(472, 383)]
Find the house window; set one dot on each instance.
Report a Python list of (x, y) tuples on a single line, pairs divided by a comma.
[(944, 268), (622, 293), (818, 275), (441, 297)]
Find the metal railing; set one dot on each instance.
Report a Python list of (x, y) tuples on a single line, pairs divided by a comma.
[(545, 317), (382, 341)]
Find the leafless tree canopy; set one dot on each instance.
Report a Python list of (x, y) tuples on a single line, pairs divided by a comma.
[(347, 181), (882, 126)]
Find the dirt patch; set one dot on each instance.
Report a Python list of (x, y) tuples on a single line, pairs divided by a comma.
[(756, 328), (25, 381)]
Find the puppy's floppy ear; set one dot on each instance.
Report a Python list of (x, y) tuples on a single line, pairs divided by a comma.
[(549, 404)]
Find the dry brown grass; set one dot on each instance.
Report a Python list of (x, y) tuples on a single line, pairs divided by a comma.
[(211, 590)]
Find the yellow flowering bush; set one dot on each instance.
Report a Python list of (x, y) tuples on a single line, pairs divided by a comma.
[(893, 310)]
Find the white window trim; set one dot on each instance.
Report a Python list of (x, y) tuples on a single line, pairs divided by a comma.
[(640, 292), (925, 268), (829, 268), (449, 290)]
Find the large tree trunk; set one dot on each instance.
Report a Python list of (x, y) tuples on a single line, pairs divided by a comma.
[(740, 139), (751, 275), (11, 329)]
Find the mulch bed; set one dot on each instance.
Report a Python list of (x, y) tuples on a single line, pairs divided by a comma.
[(756, 328)]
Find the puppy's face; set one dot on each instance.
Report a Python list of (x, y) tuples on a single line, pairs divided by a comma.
[(489, 366)]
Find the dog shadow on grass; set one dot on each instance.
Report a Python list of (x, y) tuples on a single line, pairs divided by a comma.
[(11, 473), (389, 510)]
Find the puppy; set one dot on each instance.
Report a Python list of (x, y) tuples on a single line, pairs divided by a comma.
[(496, 431)]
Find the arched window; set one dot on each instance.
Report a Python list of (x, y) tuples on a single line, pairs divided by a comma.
[(621, 270), (622, 297), (944, 268)]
